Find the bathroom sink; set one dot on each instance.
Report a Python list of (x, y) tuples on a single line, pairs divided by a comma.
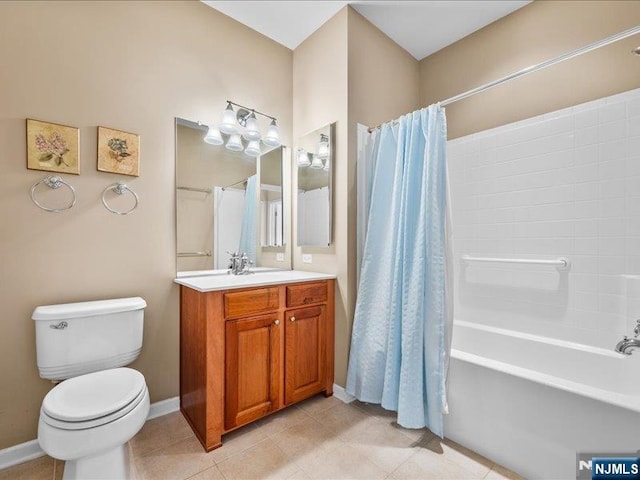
[(260, 276)]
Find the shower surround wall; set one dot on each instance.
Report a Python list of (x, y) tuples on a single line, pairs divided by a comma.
[(564, 184)]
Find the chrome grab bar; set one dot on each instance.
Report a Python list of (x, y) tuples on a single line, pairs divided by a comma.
[(194, 254), (562, 263)]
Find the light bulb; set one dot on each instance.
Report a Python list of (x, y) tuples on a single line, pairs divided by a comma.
[(323, 147), (213, 136), (303, 158), (252, 132), (316, 163), (234, 143), (229, 124), (272, 138), (253, 149)]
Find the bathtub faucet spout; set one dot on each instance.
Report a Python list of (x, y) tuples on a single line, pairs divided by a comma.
[(627, 345)]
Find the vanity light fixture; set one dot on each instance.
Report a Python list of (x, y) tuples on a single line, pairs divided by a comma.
[(323, 147), (272, 138), (253, 149), (213, 136), (316, 163), (326, 165), (234, 143), (229, 125), (251, 127), (243, 124), (303, 158)]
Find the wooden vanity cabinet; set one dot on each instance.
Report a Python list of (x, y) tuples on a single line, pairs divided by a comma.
[(245, 353)]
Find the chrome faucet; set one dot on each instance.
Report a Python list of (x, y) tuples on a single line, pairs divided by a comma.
[(239, 263), (628, 345)]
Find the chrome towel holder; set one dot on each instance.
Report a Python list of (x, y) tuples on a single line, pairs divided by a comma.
[(54, 182), (119, 188)]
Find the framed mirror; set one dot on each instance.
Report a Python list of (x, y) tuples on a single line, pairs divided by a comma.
[(226, 201), (314, 157)]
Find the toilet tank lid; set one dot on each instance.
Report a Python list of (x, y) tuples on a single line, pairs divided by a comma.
[(87, 309)]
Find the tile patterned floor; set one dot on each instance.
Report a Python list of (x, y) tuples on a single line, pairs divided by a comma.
[(321, 438)]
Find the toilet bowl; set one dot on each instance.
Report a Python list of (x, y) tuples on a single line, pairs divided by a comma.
[(88, 420), (89, 417)]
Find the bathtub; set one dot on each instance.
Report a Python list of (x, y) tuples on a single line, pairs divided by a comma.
[(530, 402)]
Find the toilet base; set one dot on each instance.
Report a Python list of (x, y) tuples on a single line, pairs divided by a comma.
[(109, 465)]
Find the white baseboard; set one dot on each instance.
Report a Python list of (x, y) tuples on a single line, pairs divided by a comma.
[(26, 451), (20, 453), (341, 394), (164, 407)]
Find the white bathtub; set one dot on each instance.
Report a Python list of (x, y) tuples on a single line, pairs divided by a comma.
[(530, 402)]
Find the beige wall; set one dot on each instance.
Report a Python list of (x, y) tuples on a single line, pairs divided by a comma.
[(132, 66), (347, 72), (320, 98), (537, 32)]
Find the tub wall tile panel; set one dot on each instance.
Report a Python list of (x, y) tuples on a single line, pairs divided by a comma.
[(562, 184)]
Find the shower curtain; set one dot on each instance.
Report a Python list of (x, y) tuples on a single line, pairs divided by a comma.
[(248, 227), (401, 334)]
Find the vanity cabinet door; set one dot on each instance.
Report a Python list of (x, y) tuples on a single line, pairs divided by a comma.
[(252, 368), (305, 353)]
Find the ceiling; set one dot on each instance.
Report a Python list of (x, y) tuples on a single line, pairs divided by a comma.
[(420, 27)]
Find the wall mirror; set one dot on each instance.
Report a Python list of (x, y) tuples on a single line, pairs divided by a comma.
[(226, 201), (314, 156)]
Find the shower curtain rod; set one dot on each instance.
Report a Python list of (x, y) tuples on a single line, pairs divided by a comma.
[(244, 180), (534, 68)]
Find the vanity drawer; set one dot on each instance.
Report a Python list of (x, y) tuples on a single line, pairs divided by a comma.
[(249, 302), (306, 294)]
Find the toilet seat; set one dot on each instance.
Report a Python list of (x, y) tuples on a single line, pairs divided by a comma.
[(93, 399)]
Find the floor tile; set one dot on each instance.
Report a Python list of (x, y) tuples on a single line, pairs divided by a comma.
[(38, 469), (211, 473), (161, 432), (464, 457), (58, 469), (500, 473), (279, 421), (319, 404), (381, 443), (374, 409), (306, 439), (262, 461), (427, 465), (237, 442), (175, 462), (343, 462), (342, 418)]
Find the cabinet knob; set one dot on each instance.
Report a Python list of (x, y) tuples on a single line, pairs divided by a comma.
[(277, 322), (293, 319)]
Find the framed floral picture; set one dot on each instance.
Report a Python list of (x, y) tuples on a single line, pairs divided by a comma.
[(118, 152), (52, 147)]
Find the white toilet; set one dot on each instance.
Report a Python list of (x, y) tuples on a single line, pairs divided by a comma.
[(88, 419)]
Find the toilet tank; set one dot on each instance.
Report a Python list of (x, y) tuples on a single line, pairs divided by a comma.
[(77, 338)]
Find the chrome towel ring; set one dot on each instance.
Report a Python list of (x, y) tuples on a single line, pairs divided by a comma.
[(120, 189), (55, 182)]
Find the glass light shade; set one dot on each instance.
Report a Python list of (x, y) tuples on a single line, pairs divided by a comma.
[(323, 147), (326, 165), (272, 138), (251, 130), (229, 124), (253, 149), (316, 163), (234, 143), (213, 136), (303, 158)]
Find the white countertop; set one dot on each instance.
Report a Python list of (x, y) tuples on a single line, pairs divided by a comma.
[(211, 283)]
